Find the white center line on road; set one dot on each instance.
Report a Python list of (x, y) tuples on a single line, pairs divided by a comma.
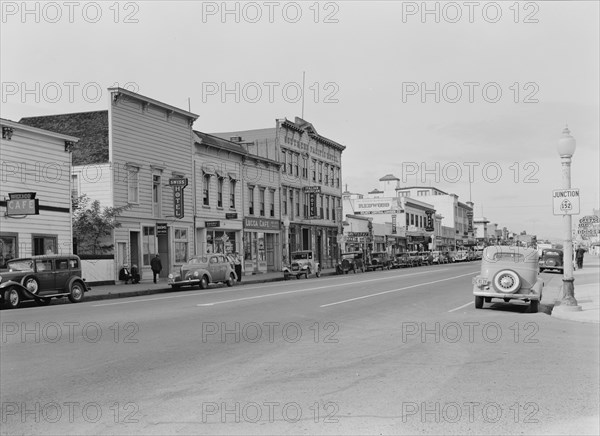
[(395, 290), (238, 289), (301, 290), (460, 307)]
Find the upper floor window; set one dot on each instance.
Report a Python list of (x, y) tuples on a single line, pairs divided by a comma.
[(423, 192), (320, 172), (262, 201), (284, 200), (206, 190), (232, 194), (156, 195), (251, 200), (296, 159), (133, 185), (326, 174), (290, 163), (314, 170), (291, 192), (220, 192), (305, 168), (283, 161)]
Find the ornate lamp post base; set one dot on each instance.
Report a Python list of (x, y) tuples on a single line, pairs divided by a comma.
[(568, 302)]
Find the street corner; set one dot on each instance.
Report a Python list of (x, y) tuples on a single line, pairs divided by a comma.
[(587, 308)]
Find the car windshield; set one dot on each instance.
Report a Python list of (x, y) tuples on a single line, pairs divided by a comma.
[(298, 256), (552, 253), (20, 265), (198, 260), (351, 255)]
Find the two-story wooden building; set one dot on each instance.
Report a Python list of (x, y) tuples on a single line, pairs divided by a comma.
[(137, 154), (35, 196)]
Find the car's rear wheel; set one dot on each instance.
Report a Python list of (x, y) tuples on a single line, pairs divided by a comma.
[(12, 298), (478, 302), (231, 280), (32, 284), (77, 291), (204, 282), (507, 281), (534, 306)]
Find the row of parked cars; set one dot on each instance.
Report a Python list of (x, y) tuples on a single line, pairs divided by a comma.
[(355, 261)]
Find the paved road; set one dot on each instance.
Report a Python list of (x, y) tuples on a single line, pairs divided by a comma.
[(392, 352)]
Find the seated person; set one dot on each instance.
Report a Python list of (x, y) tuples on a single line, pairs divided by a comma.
[(135, 274), (124, 274)]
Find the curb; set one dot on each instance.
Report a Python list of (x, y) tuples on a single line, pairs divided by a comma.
[(142, 292)]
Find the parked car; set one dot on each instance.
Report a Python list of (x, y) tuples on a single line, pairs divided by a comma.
[(551, 258), (202, 271), (426, 257), (303, 264), (461, 256), (439, 257), (478, 254), (403, 260), (416, 258), (351, 261), (379, 260), (508, 273), (42, 278)]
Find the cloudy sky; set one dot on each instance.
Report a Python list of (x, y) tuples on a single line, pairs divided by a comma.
[(437, 93)]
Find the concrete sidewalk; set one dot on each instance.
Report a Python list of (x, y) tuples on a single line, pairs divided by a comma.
[(587, 288), (147, 287)]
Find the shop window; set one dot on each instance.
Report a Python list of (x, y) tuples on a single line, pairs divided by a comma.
[(148, 244), (181, 245), (8, 249), (44, 244)]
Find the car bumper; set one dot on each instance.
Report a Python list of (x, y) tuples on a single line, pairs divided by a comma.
[(531, 296), (190, 282)]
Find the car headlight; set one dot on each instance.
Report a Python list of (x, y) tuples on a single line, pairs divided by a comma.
[(196, 274), (170, 276)]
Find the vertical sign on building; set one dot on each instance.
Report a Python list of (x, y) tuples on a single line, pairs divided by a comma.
[(178, 185), (469, 222), (393, 224), (312, 199), (429, 227)]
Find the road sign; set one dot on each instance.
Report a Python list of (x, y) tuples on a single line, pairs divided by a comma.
[(565, 201)]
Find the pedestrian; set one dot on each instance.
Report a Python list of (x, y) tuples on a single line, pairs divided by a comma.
[(124, 274), (156, 266), (579, 256), (237, 263), (135, 274)]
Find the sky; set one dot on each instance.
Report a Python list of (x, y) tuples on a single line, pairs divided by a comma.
[(470, 97)]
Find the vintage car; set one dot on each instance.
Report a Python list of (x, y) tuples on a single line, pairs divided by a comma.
[(439, 257), (403, 260), (426, 257), (203, 270), (303, 264), (416, 258), (379, 260), (508, 273), (551, 258), (41, 278), (461, 256), (351, 261), (478, 254)]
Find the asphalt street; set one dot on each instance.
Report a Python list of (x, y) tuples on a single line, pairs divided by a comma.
[(391, 352)]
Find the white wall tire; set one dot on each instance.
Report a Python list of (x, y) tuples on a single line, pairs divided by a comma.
[(507, 281)]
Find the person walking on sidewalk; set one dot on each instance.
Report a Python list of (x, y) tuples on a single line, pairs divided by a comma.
[(237, 264), (579, 257), (156, 266)]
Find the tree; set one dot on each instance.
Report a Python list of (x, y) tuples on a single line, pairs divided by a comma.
[(93, 225)]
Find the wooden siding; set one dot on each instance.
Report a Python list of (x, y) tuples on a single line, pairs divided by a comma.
[(34, 162), (157, 144)]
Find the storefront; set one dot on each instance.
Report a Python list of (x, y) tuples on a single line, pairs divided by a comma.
[(396, 244), (262, 245)]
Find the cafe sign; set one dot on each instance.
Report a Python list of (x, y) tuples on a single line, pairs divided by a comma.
[(22, 203), (261, 224)]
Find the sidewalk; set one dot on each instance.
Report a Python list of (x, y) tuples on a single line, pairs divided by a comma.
[(147, 287), (587, 285)]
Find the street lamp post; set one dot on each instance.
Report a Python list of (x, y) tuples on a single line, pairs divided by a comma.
[(566, 149)]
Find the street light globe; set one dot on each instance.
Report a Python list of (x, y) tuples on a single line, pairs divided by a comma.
[(566, 144)]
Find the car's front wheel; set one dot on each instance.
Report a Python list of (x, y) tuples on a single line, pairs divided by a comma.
[(478, 302), (77, 291), (204, 282), (12, 298)]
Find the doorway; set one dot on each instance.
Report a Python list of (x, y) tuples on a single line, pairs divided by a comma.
[(163, 254)]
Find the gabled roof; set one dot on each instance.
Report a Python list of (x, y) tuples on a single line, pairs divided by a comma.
[(388, 177), (90, 127), (376, 191)]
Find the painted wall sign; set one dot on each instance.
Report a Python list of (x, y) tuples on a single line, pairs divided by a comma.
[(22, 203), (261, 224)]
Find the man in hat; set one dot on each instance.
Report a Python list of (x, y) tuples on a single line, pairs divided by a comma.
[(156, 266)]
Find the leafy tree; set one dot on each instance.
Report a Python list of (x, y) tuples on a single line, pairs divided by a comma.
[(92, 225)]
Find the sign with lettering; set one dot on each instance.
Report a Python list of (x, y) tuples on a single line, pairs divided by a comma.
[(312, 204), (162, 229), (394, 224), (22, 203), (212, 224), (429, 227), (178, 185), (261, 224), (470, 221), (231, 216), (565, 201), (315, 189), (375, 205), (358, 234)]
